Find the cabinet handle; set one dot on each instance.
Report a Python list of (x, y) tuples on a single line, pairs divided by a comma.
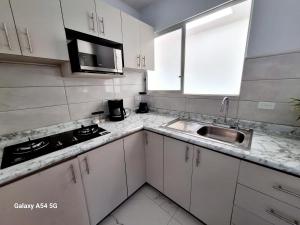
[(93, 21), (276, 214), (187, 153), (285, 190), (146, 138), (73, 174), (29, 40), (87, 168), (139, 61), (198, 158), (6, 35), (144, 61), (101, 21)]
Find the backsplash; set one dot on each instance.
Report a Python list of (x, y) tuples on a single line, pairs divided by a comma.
[(33, 96), (273, 79)]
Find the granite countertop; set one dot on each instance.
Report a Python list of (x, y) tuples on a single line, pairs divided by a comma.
[(273, 151)]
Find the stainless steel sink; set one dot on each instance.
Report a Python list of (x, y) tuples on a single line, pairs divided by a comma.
[(236, 137)]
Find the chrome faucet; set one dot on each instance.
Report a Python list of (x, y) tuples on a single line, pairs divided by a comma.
[(224, 108)]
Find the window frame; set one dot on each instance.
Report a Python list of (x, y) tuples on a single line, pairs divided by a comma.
[(182, 25)]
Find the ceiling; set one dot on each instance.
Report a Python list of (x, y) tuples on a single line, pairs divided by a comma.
[(139, 4)]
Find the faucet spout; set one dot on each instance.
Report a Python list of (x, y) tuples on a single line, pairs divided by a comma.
[(224, 108)]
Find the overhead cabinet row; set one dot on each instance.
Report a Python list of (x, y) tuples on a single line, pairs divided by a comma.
[(36, 28), (32, 28)]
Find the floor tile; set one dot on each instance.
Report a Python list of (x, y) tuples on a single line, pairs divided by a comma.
[(185, 218), (150, 192), (140, 210)]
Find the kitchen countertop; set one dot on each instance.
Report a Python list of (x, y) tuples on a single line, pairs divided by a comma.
[(272, 151)]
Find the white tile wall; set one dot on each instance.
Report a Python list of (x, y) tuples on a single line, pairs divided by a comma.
[(269, 79), (33, 96)]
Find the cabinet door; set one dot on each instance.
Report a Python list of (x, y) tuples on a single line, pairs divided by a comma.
[(213, 186), (131, 41), (9, 43), (178, 165), (40, 28), (80, 15), (135, 161), (60, 184), (104, 179), (154, 150), (109, 21), (147, 46)]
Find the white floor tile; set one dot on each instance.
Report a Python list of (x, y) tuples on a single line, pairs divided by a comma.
[(185, 218), (140, 210), (150, 192)]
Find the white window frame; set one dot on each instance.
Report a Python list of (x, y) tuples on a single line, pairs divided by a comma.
[(182, 26)]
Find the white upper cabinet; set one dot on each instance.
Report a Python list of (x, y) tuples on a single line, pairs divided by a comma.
[(147, 46), (135, 161), (178, 167), (9, 43), (138, 43), (60, 185), (40, 28), (80, 15), (104, 179), (213, 186), (131, 41), (109, 21)]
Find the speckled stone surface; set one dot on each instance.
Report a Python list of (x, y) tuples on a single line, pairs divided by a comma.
[(273, 151)]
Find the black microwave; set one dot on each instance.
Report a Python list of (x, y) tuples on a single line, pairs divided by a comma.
[(94, 58)]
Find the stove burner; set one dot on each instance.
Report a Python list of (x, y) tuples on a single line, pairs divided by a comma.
[(31, 147), (86, 131)]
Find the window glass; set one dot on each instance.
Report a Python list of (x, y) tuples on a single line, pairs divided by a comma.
[(215, 51), (167, 53)]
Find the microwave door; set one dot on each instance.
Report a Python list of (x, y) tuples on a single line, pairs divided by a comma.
[(105, 58)]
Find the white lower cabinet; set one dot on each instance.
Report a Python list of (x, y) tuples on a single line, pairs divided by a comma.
[(268, 208), (213, 186), (243, 217), (154, 150), (178, 165), (104, 179), (60, 185), (135, 161)]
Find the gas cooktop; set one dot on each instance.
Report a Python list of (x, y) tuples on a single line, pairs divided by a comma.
[(31, 149)]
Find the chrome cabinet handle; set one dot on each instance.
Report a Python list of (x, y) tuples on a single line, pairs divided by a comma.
[(6, 35), (187, 149), (87, 168), (139, 61), (93, 21), (285, 190), (101, 21), (144, 61), (198, 158), (73, 174), (29, 40), (146, 138), (276, 214)]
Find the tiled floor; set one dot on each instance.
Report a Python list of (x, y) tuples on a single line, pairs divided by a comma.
[(149, 207)]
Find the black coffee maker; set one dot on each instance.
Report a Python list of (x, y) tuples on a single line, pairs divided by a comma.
[(116, 110)]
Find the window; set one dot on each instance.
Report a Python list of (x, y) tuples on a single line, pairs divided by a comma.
[(167, 54), (214, 53)]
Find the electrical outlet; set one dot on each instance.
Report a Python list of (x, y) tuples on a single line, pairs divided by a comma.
[(266, 105)]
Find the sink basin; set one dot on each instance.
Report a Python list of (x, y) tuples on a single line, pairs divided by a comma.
[(236, 137), (222, 134)]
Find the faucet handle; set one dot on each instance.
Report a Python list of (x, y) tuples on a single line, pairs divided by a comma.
[(236, 124)]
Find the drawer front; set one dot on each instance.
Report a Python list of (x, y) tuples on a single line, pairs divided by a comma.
[(276, 184), (269, 209), (243, 217)]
